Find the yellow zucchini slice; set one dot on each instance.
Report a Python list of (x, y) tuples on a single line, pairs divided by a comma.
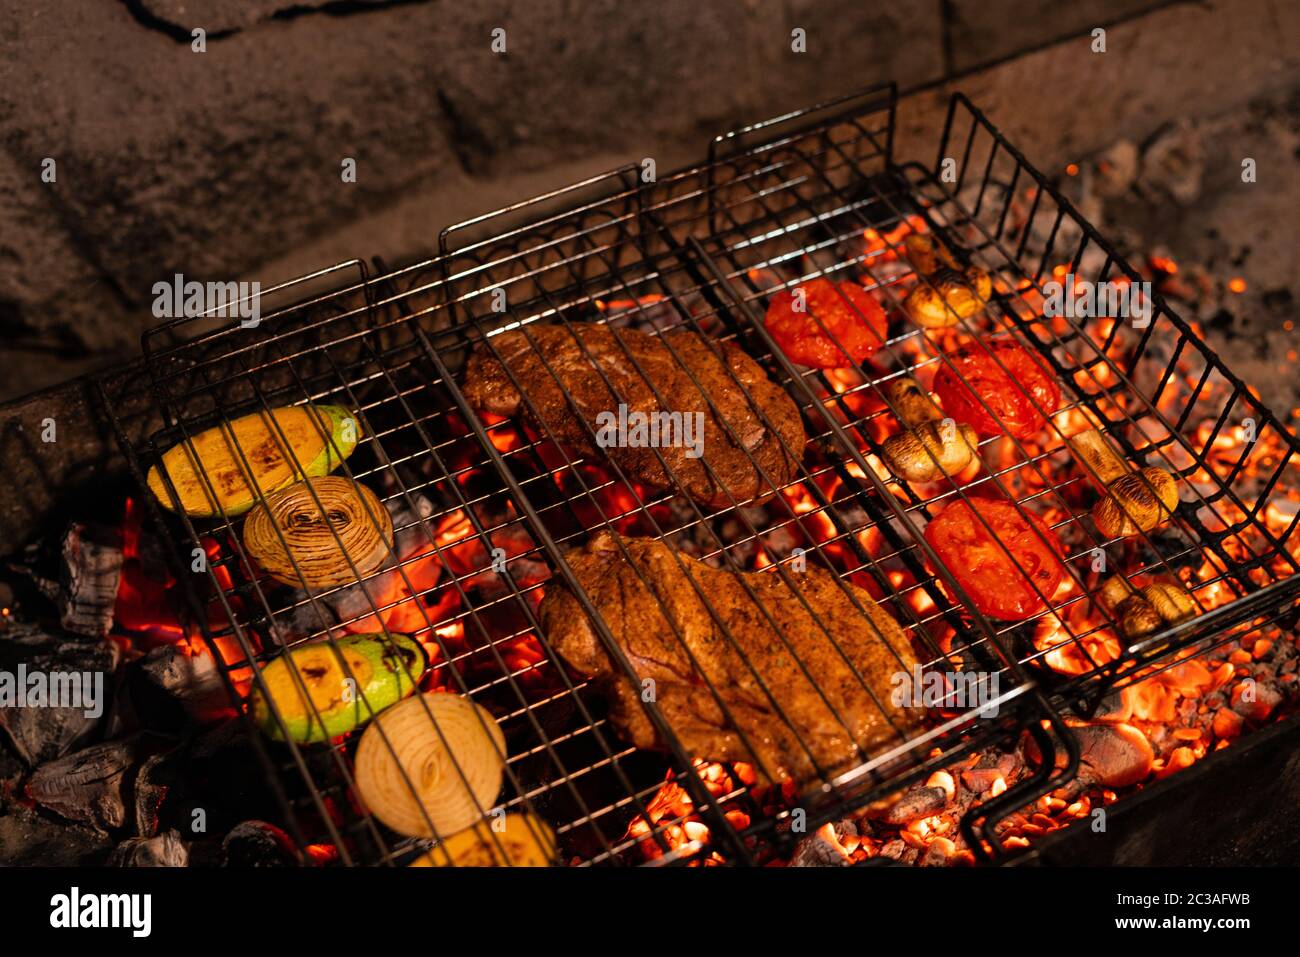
[(520, 839), (260, 452)]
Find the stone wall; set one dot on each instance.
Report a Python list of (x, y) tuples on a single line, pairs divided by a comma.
[(227, 162)]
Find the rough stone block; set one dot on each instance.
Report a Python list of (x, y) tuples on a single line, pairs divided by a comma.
[(985, 31), (214, 163)]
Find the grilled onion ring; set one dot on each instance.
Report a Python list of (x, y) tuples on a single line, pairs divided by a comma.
[(521, 840), (454, 763), (351, 511)]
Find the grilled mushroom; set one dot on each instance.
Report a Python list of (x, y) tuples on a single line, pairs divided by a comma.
[(948, 291), (1114, 591), (1137, 617), (1171, 600), (1141, 611), (930, 446), (1134, 501)]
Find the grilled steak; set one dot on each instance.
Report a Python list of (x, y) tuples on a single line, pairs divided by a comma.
[(869, 640), (575, 355)]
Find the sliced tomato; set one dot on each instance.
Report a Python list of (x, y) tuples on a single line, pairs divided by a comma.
[(1006, 389), (1008, 573), (841, 323)]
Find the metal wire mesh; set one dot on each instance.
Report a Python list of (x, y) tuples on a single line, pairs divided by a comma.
[(485, 509)]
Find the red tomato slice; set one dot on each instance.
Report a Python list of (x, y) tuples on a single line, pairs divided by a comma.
[(992, 399), (855, 324), (999, 572)]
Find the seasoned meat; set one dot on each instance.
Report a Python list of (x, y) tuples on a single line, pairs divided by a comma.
[(574, 355), (855, 713)]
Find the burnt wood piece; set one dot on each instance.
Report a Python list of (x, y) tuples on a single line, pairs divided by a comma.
[(165, 850), (90, 786), (152, 784), (556, 364), (92, 568), (989, 769), (817, 849), (913, 805), (1113, 755), (938, 852), (853, 679), (191, 679), (215, 772), (1110, 755), (1116, 707), (258, 844), (43, 733)]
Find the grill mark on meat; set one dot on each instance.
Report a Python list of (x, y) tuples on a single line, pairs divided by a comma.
[(759, 440), (838, 718)]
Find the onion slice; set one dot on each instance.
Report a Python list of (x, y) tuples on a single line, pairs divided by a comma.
[(451, 750), (292, 518)]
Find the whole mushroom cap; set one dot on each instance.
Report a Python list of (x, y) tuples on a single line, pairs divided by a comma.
[(1137, 617)]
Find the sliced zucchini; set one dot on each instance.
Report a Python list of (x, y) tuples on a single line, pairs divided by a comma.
[(383, 670), (262, 451)]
